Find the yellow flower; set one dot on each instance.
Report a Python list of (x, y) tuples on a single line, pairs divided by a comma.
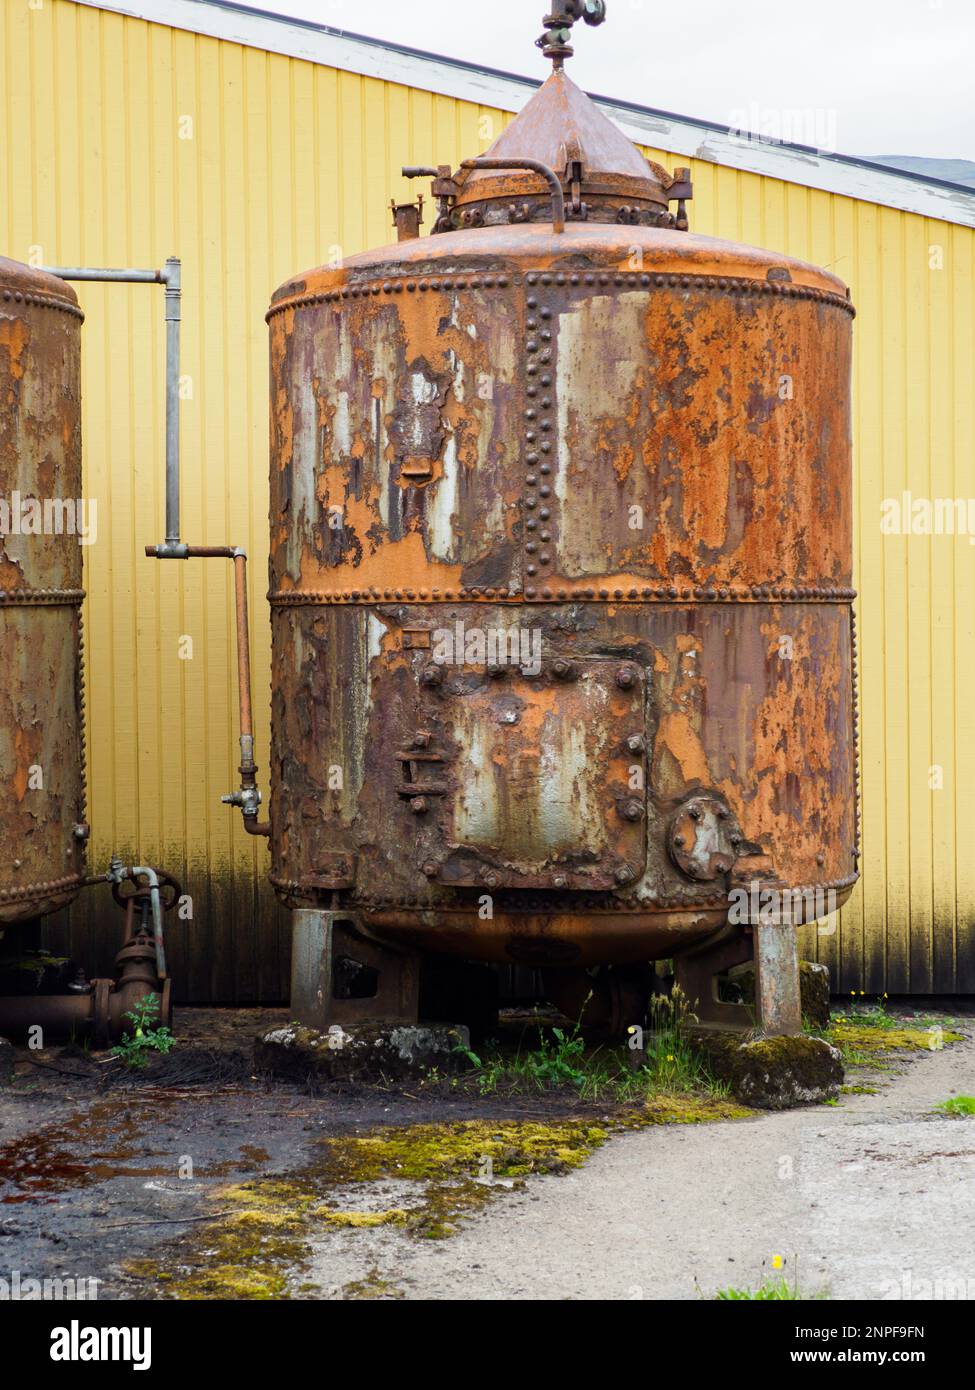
[(776, 1261)]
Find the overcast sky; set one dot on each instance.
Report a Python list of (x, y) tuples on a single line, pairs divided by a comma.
[(858, 76)]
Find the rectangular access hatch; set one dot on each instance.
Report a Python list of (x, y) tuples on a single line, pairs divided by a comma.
[(553, 787)]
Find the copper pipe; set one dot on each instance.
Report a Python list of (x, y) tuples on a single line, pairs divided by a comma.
[(247, 797), (248, 768), (244, 660)]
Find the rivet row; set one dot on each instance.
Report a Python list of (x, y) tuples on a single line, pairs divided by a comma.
[(421, 282)]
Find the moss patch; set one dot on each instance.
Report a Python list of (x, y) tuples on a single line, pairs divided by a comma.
[(426, 1152), (244, 1255), (773, 1073), (357, 1220), (261, 1245), (692, 1109), (372, 1286), (855, 1036)]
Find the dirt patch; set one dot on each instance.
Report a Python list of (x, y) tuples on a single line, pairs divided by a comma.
[(119, 1177)]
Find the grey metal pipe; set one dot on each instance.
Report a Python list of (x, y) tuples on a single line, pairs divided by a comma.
[(172, 547), (143, 870), (117, 871), (173, 293), (83, 272), (537, 167)]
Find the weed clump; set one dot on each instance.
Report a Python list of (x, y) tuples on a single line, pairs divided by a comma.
[(656, 1060), (136, 1047), (958, 1105)]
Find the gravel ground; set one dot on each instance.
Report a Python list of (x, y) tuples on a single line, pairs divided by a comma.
[(872, 1198)]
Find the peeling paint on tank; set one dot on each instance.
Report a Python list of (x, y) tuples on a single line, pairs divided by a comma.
[(592, 384), (41, 702), (477, 820), (585, 394), (442, 512), (563, 794), (341, 428), (376, 630), (304, 498)]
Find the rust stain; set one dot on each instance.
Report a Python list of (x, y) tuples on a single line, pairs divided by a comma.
[(647, 468), (14, 335), (41, 722)]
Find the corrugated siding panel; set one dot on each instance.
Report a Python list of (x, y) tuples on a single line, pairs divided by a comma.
[(287, 165)]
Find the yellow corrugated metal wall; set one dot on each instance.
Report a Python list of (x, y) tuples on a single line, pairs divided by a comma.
[(124, 142)]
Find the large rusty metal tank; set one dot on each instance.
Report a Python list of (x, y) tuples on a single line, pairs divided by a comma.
[(560, 572), (42, 769)]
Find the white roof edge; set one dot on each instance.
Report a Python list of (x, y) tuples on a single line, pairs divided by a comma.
[(449, 77)]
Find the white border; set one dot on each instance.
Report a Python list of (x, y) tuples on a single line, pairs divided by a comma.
[(449, 77)]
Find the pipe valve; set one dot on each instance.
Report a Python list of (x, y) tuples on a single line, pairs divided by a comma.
[(554, 43), (247, 798)]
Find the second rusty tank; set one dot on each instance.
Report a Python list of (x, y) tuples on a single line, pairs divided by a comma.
[(560, 583), (43, 829)]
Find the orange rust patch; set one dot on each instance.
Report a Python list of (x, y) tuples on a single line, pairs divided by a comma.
[(14, 335)]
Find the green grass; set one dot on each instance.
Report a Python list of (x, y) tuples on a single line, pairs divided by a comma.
[(562, 1058), (958, 1105), (869, 1037), (870, 1015), (875, 1015), (770, 1289)]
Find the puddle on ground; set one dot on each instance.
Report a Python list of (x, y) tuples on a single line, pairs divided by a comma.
[(107, 1141)]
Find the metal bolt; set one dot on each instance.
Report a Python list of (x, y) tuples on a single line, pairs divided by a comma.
[(492, 881), (564, 669), (431, 868), (625, 677), (560, 881), (623, 874), (418, 805), (431, 675), (695, 813), (679, 842), (631, 810), (636, 743), (421, 740)]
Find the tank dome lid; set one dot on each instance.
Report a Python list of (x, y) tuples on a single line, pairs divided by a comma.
[(561, 135)]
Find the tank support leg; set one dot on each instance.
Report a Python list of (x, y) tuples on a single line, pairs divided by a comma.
[(696, 973), (777, 978), (341, 974), (775, 954)]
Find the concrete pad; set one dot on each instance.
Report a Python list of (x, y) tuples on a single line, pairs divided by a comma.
[(364, 1053)]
